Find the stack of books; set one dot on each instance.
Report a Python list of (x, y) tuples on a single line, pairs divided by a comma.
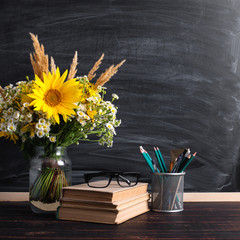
[(111, 205)]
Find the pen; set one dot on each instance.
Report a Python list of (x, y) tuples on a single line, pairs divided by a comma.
[(185, 157), (177, 163), (187, 163), (187, 153), (171, 165)]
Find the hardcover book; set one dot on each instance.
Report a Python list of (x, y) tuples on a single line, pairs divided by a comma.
[(111, 193), (107, 216), (95, 204)]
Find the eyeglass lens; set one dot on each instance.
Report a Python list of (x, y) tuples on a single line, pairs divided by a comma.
[(101, 180), (127, 179)]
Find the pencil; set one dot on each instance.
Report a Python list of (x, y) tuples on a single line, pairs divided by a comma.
[(159, 160), (155, 166), (151, 160), (147, 158), (163, 163)]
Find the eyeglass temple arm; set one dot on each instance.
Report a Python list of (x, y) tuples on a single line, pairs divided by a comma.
[(125, 179)]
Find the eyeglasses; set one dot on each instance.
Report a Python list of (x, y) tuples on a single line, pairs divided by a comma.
[(103, 179)]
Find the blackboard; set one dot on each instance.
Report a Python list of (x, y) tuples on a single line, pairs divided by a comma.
[(179, 87)]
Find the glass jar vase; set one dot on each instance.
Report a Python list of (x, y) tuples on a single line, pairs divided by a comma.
[(50, 170)]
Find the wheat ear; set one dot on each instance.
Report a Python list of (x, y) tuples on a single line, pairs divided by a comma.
[(105, 77), (73, 66), (39, 60), (92, 73), (53, 66)]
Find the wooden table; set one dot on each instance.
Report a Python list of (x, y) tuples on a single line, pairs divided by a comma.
[(199, 220)]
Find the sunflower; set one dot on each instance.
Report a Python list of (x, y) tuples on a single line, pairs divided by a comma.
[(55, 97)]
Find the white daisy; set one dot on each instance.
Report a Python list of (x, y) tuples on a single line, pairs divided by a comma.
[(48, 124), (10, 110), (45, 131), (113, 111), (26, 104), (83, 122), (3, 128), (11, 127), (111, 128), (39, 126), (29, 117), (10, 121), (16, 115), (42, 121), (52, 138), (114, 95), (86, 117), (81, 114), (40, 133), (82, 107)]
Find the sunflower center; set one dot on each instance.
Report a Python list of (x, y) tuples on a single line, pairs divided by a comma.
[(52, 97)]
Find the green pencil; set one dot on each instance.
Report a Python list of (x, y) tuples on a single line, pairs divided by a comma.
[(159, 160), (147, 158), (163, 163)]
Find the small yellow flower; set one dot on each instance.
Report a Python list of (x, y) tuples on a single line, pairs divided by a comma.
[(91, 89), (11, 136), (29, 127), (91, 114)]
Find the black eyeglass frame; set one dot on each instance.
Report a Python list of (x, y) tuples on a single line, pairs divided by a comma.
[(111, 175)]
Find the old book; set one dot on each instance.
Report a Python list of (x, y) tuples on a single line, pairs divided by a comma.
[(111, 193), (102, 216), (117, 205)]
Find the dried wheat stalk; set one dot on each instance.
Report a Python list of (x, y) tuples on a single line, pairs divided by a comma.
[(39, 60), (53, 66), (105, 77), (73, 69), (92, 73)]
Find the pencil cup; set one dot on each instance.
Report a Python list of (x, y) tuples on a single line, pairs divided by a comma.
[(167, 192)]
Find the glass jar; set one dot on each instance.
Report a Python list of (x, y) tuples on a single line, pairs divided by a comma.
[(50, 170)]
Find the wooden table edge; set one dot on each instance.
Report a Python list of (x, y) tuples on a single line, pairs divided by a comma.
[(187, 197)]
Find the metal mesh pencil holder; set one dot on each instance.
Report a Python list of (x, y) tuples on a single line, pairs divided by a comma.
[(167, 192)]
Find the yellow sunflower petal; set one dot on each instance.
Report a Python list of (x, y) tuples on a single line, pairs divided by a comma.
[(58, 84), (70, 83), (55, 115), (39, 82), (47, 80)]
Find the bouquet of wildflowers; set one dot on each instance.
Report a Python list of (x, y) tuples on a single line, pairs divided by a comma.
[(57, 110)]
